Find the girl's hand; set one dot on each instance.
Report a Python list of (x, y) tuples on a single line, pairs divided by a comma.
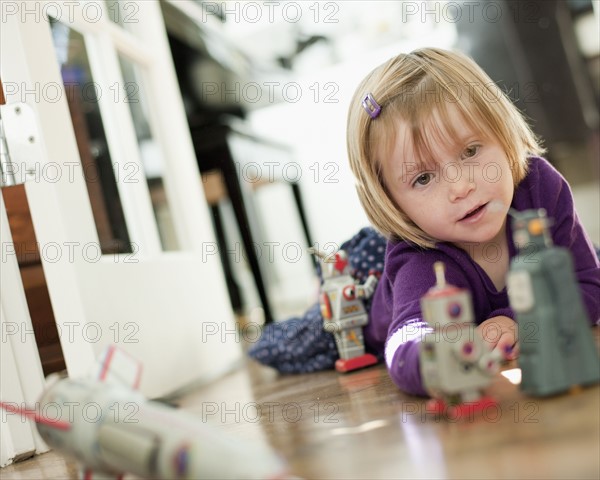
[(500, 333)]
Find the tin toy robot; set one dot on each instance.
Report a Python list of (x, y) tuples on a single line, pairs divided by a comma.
[(557, 350), (456, 364), (343, 311)]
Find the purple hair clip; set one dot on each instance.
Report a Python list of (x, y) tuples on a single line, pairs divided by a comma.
[(371, 106)]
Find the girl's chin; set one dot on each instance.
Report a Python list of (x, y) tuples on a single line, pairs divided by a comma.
[(496, 237)]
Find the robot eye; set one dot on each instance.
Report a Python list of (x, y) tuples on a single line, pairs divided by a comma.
[(454, 310), (536, 227), (349, 292)]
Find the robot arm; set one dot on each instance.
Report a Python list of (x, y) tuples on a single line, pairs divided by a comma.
[(489, 362), (330, 323), (474, 352), (367, 289)]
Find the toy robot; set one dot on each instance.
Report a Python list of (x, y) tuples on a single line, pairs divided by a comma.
[(456, 364), (557, 351), (343, 311), (112, 429)]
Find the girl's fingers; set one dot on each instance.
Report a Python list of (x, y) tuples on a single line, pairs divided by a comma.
[(506, 345), (508, 348), (515, 352)]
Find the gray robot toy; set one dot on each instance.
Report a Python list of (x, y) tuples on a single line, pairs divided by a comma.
[(557, 350), (456, 364), (343, 311)]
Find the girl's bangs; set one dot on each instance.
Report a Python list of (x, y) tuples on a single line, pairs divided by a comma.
[(438, 129)]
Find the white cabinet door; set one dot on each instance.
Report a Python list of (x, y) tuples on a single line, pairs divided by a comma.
[(162, 299), (21, 378)]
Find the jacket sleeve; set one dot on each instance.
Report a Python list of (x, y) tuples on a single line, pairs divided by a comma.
[(504, 311), (397, 304)]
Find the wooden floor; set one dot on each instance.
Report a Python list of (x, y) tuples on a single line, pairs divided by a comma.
[(359, 425)]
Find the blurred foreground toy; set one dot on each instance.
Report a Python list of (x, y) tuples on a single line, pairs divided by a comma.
[(111, 430), (343, 311), (557, 350), (456, 364)]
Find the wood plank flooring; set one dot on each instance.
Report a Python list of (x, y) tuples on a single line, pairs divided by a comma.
[(360, 426)]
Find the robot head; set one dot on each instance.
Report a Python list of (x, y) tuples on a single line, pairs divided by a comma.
[(334, 265), (531, 229), (446, 304), (340, 263)]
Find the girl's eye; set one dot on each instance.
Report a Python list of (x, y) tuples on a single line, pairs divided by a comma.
[(470, 151), (422, 179)]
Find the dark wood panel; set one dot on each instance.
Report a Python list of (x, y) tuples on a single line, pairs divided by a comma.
[(21, 225), (46, 333), (40, 308), (34, 282)]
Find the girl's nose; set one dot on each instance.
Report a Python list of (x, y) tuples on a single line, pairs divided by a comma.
[(461, 186)]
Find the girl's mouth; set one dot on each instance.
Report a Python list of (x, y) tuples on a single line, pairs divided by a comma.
[(474, 214)]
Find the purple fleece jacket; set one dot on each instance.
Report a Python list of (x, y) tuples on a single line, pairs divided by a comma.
[(396, 325)]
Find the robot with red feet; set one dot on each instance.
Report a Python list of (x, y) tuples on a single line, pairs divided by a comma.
[(344, 314), (456, 363)]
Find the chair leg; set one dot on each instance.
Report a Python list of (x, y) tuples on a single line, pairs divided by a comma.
[(232, 286), (303, 220), (237, 201)]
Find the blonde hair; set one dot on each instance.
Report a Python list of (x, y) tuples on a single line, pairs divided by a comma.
[(410, 87)]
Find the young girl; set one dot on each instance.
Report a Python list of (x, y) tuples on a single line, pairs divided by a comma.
[(440, 154)]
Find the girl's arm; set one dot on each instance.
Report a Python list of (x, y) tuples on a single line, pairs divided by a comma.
[(402, 357), (396, 324), (399, 336)]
